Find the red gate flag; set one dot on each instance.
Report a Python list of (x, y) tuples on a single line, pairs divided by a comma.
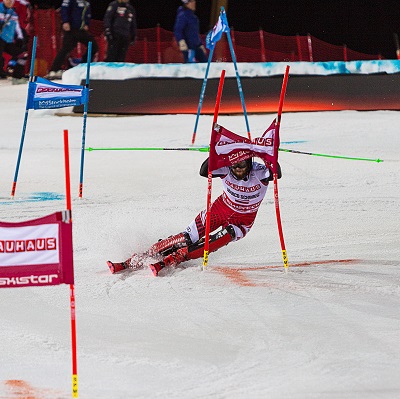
[(37, 252), (228, 148)]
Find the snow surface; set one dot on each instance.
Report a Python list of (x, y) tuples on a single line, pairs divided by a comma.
[(118, 70), (327, 329)]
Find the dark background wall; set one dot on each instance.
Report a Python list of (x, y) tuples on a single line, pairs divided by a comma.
[(304, 93), (364, 25)]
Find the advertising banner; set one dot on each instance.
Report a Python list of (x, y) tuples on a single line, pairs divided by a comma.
[(45, 94), (37, 252)]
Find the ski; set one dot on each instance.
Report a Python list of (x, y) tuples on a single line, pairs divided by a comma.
[(135, 262), (156, 267), (153, 257), (116, 267)]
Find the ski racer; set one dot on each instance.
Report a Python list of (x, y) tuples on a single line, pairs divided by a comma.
[(232, 215)]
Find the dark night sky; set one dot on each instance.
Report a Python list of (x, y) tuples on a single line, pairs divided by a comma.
[(364, 25)]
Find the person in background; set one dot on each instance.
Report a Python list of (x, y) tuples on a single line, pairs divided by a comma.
[(119, 29), (24, 10), (187, 33), (76, 16), (11, 39)]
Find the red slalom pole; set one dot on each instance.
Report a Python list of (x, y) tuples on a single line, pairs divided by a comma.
[(275, 171), (209, 183), (71, 286), (67, 176), (73, 338)]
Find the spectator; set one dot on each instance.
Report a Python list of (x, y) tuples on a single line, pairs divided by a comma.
[(187, 33), (119, 29), (11, 39), (23, 9), (75, 15)]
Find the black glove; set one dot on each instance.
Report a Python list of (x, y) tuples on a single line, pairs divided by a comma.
[(108, 34), (279, 171)]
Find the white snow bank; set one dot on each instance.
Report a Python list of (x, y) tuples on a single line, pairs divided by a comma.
[(119, 71)]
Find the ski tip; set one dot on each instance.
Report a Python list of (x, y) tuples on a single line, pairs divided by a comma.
[(116, 267), (154, 270), (111, 266), (156, 267)]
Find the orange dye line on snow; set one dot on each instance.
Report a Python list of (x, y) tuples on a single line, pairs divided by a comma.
[(237, 276), (302, 264), (20, 389)]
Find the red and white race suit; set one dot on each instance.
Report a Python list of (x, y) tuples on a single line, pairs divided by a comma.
[(237, 205)]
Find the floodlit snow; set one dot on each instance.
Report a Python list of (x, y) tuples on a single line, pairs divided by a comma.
[(327, 329)]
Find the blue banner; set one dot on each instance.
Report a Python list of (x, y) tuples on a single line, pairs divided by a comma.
[(216, 33), (45, 94)]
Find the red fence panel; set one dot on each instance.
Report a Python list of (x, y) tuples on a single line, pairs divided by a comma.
[(157, 45)]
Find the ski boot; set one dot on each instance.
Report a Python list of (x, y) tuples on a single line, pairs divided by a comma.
[(196, 250), (171, 244), (172, 259), (135, 262), (116, 267)]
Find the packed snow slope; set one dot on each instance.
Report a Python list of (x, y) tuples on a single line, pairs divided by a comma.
[(243, 328)]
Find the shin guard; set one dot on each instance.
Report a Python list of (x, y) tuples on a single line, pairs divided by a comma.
[(170, 244), (217, 241)]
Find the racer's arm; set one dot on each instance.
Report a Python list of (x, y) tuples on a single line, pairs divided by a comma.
[(204, 170), (271, 175)]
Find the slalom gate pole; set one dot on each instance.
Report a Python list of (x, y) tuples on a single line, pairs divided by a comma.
[(200, 149), (67, 176), (31, 72), (71, 286), (209, 182), (239, 84), (331, 156), (203, 90), (207, 149), (73, 336), (85, 111), (275, 173)]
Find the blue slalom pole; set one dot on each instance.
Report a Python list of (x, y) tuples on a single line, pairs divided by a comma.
[(85, 111), (32, 69), (228, 34), (203, 90)]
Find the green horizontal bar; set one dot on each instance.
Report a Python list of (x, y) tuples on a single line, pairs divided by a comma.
[(207, 149)]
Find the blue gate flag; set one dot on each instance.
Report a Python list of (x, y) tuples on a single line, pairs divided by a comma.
[(44, 94), (216, 33)]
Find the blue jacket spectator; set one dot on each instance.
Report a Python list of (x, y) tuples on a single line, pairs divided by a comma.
[(9, 24), (76, 12), (11, 40), (187, 33), (75, 15)]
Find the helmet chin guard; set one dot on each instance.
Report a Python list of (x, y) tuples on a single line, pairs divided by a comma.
[(248, 166)]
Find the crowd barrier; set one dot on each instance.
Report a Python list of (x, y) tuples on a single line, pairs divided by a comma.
[(176, 88), (157, 45)]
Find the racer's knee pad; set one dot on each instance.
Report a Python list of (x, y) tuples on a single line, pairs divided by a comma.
[(216, 241)]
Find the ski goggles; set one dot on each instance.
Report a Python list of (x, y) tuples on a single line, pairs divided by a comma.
[(240, 165)]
